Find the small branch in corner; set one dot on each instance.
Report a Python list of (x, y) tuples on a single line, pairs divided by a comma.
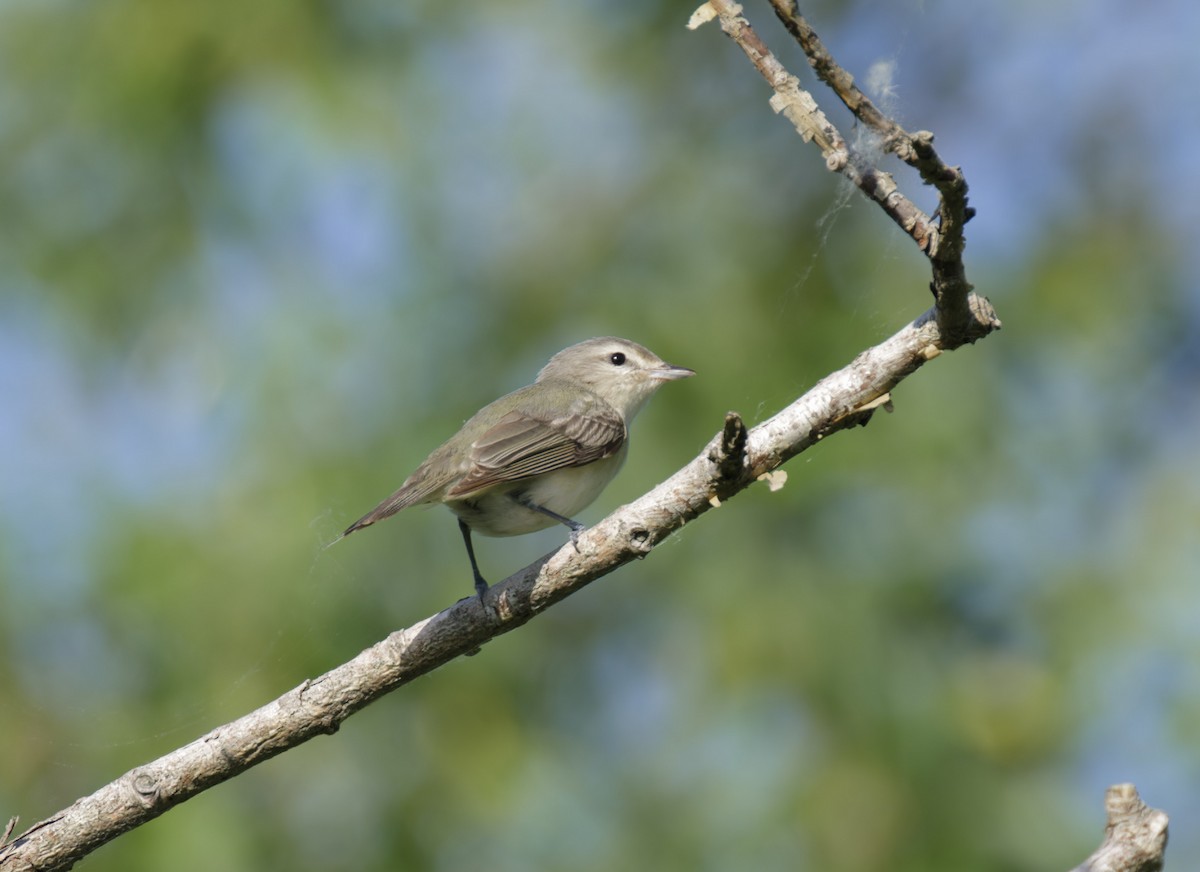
[(1135, 836)]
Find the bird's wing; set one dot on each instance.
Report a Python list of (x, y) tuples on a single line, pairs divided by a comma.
[(521, 445)]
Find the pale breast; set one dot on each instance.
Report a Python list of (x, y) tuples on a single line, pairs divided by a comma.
[(565, 492)]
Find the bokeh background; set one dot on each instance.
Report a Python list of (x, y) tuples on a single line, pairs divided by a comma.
[(257, 260)]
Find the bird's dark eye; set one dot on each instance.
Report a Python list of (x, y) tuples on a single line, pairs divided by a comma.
[(617, 358)]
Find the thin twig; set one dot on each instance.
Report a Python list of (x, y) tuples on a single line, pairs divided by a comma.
[(942, 240)]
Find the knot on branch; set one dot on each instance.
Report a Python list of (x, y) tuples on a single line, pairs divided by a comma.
[(978, 319), (640, 541), (860, 416), (837, 160), (146, 787), (729, 456)]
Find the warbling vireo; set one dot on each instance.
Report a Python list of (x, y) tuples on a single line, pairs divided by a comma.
[(541, 454)]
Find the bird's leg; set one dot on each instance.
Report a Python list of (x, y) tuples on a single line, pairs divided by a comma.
[(576, 527), (481, 586)]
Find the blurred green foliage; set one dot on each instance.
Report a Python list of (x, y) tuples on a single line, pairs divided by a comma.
[(258, 261)]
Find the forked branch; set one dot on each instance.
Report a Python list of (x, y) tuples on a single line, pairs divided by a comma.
[(940, 237)]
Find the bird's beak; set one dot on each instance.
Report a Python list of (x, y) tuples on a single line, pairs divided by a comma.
[(671, 373)]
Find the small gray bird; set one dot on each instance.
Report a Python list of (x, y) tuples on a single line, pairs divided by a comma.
[(541, 454)]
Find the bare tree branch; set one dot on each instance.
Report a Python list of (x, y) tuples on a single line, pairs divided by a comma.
[(733, 460), (1135, 837)]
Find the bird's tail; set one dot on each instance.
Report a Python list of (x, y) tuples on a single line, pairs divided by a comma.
[(419, 488)]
